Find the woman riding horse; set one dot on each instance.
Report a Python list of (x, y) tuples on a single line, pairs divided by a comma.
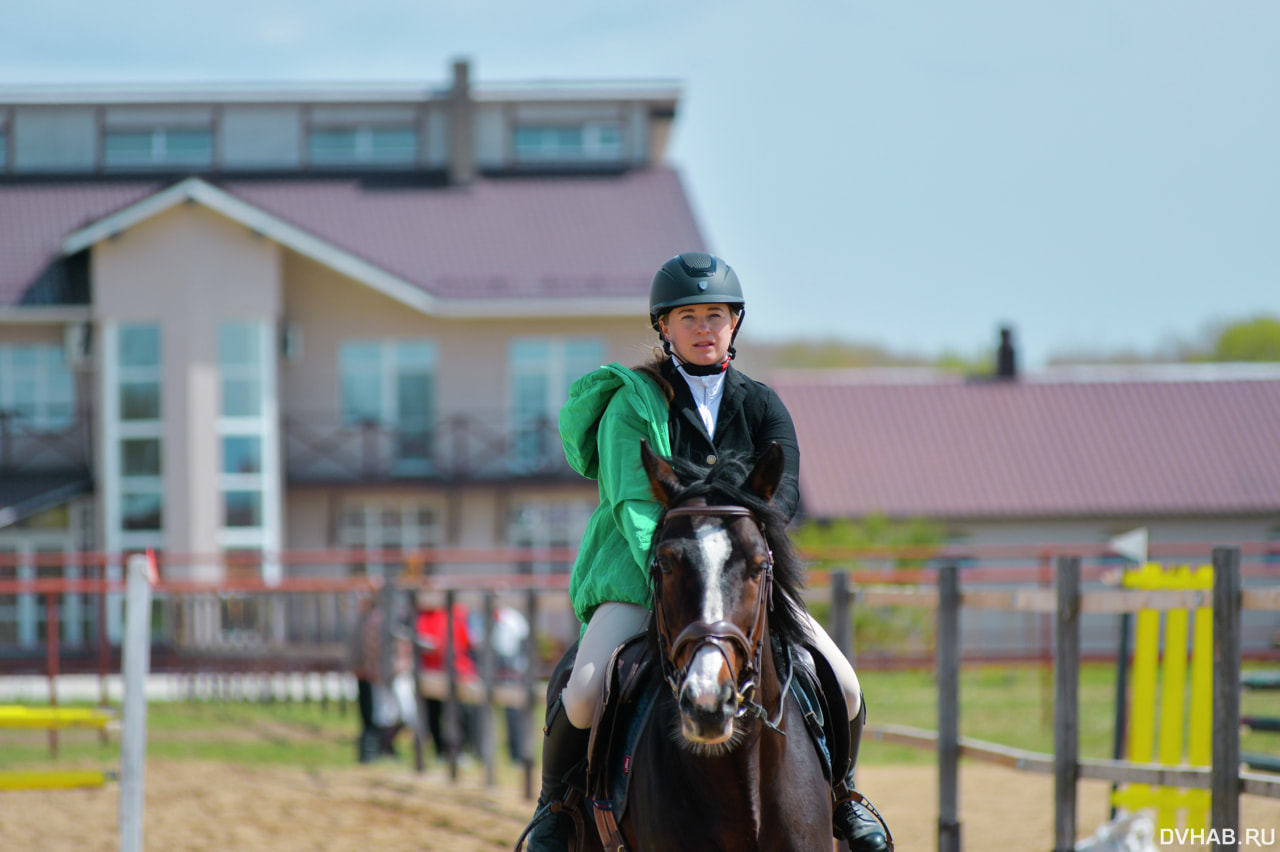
[(687, 403)]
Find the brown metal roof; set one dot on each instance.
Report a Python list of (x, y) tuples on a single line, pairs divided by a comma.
[(1159, 442), (532, 237)]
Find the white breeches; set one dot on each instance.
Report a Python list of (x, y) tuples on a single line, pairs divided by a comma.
[(613, 623)]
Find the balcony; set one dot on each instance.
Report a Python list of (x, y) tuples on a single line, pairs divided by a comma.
[(459, 448), (35, 447)]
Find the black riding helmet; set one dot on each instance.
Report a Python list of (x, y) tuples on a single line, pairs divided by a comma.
[(694, 278)]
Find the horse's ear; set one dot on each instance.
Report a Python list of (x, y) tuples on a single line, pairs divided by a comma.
[(767, 474), (662, 479)]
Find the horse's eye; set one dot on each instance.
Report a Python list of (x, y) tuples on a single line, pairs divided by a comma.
[(664, 564)]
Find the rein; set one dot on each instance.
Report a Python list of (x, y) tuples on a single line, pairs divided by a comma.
[(722, 633)]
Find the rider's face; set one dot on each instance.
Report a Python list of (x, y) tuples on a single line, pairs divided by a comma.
[(700, 334)]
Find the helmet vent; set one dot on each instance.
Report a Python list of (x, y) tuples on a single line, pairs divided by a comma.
[(698, 263)]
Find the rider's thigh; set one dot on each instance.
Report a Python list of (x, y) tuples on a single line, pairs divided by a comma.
[(611, 624), (839, 664)]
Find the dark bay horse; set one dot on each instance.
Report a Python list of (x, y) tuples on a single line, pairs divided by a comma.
[(723, 760)]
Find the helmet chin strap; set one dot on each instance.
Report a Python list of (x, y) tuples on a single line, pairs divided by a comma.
[(697, 369)]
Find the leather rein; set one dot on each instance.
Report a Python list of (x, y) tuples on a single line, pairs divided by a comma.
[(722, 634)]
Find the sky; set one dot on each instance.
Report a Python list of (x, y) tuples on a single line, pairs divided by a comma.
[(1101, 176)]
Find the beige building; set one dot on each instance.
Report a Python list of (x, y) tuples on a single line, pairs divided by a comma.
[(257, 321)]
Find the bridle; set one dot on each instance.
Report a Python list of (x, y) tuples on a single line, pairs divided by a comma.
[(721, 634)]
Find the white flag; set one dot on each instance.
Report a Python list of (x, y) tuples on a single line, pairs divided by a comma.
[(1131, 545)]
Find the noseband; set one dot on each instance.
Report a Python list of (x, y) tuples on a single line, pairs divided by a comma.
[(721, 634)]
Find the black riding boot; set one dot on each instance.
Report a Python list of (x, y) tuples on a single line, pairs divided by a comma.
[(856, 821), (564, 757)]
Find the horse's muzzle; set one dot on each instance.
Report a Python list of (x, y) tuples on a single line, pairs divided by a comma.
[(708, 698)]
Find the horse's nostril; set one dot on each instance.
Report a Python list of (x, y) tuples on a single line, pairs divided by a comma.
[(727, 696)]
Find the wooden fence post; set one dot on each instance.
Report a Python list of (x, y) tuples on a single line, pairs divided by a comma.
[(948, 661), (1225, 804), (489, 675), (419, 700), (1066, 722), (451, 724), (530, 693), (840, 629)]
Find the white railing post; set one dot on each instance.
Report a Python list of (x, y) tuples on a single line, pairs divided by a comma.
[(136, 662)]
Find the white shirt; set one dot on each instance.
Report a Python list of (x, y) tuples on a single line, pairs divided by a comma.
[(707, 392)]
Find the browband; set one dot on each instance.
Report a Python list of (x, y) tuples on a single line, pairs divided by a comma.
[(723, 511)]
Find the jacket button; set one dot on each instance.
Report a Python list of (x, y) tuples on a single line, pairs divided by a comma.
[(711, 459)]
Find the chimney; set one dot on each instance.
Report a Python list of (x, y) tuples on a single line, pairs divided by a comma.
[(1006, 357), (462, 165)]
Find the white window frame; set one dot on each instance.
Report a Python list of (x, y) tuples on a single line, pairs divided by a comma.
[(545, 522), (364, 148), (592, 147), (264, 426), (160, 155), (369, 537), (389, 405), (115, 539)]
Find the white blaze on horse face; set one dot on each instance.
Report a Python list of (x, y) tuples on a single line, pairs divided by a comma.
[(716, 548), (708, 665)]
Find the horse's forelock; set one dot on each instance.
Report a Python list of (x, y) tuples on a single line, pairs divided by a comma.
[(724, 484)]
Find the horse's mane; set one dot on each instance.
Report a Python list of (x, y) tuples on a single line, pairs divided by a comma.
[(725, 484)]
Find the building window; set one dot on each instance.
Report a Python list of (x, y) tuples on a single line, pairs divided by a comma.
[(541, 371), (240, 363), (241, 454), (245, 434), (365, 145), (545, 523), (36, 387), (139, 360), (140, 457), (242, 509), (138, 463), (141, 510), (159, 146), (391, 383), (593, 141), (389, 526)]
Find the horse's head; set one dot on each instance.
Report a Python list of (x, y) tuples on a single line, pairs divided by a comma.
[(712, 574)]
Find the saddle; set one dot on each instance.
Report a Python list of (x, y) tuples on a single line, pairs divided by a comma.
[(631, 689)]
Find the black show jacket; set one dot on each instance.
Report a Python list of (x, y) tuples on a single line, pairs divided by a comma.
[(751, 416)]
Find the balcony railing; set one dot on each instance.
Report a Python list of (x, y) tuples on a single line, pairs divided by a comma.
[(34, 446), (464, 447)]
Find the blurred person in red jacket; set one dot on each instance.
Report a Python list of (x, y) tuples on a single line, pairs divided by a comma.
[(432, 629)]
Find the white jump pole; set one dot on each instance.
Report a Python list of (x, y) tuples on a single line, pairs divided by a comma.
[(136, 662)]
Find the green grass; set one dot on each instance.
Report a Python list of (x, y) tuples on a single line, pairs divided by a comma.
[(298, 734), (1013, 706), (1007, 705)]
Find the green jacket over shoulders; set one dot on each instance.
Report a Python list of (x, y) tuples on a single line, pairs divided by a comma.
[(608, 413)]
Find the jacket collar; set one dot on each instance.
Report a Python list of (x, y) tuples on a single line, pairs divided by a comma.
[(730, 400)]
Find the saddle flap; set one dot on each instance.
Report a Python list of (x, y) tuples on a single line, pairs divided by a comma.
[(628, 667), (836, 723), (627, 690)]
